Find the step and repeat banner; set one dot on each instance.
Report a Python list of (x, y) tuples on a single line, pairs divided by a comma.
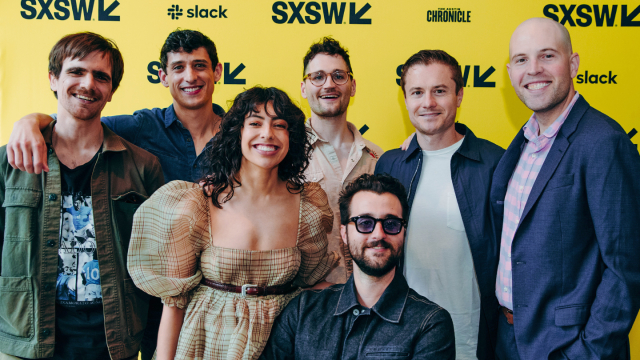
[(263, 42)]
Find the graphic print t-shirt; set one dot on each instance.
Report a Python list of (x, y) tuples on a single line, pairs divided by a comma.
[(80, 330)]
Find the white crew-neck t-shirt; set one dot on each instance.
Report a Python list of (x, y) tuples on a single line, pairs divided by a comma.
[(438, 262)]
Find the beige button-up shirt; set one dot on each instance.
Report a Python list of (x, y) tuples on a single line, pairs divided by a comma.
[(325, 169)]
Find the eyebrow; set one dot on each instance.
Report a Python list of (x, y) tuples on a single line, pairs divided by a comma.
[(539, 51), (94, 72)]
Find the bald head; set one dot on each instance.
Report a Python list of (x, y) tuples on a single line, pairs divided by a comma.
[(535, 28)]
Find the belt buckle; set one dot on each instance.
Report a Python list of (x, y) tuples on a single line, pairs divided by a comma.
[(247, 286)]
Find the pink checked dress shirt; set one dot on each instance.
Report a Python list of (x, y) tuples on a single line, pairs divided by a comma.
[(533, 155)]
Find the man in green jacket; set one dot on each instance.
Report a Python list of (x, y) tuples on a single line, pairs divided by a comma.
[(64, 288)]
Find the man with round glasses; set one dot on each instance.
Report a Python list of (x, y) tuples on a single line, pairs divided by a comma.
[(340, 153), (375, 314)]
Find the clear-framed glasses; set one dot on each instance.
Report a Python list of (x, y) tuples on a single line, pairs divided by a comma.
[(318, 78), (365, 224)]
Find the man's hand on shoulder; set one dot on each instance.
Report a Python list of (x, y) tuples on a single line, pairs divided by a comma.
[(26, 149), (407, 142)]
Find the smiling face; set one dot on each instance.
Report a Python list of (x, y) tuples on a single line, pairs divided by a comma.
[(329, 100), (431, 99), (264, 138), (84, 86), (377, 253), (542, 66), (190, 78)]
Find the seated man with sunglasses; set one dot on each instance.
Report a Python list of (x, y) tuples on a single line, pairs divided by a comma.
[(375, 314)]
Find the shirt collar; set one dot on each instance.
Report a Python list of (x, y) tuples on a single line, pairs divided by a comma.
[(170, 115), (358, 139), (466, 149), (390, 305), (110, 141), (532, 127)]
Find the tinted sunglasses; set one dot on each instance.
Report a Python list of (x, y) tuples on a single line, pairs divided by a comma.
[(365, 224)]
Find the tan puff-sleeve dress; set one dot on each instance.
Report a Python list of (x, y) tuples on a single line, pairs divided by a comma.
[(171, 250)]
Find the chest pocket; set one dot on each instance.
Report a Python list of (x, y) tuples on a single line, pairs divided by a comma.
[(454, 219), (314, 173), (387, 352)]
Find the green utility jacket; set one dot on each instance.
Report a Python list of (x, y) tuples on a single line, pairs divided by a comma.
[(123, 177)]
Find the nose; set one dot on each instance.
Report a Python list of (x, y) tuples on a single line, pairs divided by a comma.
[(189, 74), (329, 82), (266, 132), (429, 100), (378, 232), (88, 81), (535, 67)]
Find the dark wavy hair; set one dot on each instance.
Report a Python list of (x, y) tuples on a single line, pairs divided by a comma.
[(378, 184), (225, 155), (328, 46), (187, 41)]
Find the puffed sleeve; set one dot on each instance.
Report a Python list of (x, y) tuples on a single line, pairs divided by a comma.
[(168, 235), (316, 223)]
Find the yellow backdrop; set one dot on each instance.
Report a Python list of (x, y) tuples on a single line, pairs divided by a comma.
[(263, 42)]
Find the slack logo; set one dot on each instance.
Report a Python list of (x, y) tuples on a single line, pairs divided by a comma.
[(175, 11), (586, 15), (80, 10), (479, 77), (596, 79), (312, 13)]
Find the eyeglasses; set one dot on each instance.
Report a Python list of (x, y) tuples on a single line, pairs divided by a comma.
[(318, 78), (365, 224)]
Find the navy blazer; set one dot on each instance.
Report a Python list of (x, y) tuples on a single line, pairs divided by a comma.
[(472, 167), (576, 270)]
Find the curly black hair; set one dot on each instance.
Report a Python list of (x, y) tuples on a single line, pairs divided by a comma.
[(329, 46), (379, 184), (187, 41), (225, 155)]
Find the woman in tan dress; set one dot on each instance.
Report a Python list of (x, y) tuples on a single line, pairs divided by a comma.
[(257, 228)]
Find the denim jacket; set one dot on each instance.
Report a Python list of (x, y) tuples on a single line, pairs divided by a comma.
[(331, 324), (472, 168), (123, 177)]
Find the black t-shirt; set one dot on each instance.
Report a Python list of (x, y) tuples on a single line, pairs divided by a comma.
[(80, 332)]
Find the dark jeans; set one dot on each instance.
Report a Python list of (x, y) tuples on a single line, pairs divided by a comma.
[(506, 348), (150, 338)]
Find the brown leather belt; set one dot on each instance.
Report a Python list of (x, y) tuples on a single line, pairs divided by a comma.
[(508, 314), (249, 289)]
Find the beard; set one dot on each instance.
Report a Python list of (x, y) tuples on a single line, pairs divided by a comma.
[(368, 264)]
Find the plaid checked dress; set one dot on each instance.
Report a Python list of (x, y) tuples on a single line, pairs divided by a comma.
[(171, 250)]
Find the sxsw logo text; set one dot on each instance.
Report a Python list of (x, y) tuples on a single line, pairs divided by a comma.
[(230, 77), (479, 77), (587, 78), (586, 15), (175, 11), (313, 12), (448, 15), (64, 9)]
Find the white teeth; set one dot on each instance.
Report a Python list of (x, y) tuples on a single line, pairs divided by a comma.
[(329, 97), (538, 85), (191, 89), (84, 97), (265, 148)]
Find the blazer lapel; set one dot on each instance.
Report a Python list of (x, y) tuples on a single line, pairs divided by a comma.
[(556, 153), (506, 167)]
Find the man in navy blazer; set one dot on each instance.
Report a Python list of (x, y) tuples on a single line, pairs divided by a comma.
[(565, 202)]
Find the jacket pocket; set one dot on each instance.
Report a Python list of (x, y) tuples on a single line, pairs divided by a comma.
[(559, 181), (570, 315), (136, 308), (454, 218), (124, 207), (20, 213), (16, 306), (387, 352)]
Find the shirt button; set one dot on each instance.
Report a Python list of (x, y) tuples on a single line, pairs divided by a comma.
[(356, 312), (521, 188), (188, 139), (352, 160), (195, 166), (53, 197), (51, 243), (505, 289), (534, 156), (47, 287), (46, 332), (50, 151)]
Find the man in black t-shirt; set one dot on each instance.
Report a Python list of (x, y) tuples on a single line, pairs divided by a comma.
[(66, 293)]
